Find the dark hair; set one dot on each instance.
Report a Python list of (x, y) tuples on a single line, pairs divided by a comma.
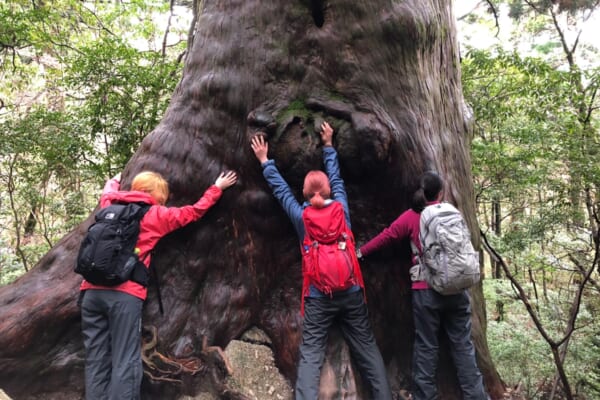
[(430, 186)]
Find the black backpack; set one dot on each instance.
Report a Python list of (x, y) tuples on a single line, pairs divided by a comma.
[(107, 255)]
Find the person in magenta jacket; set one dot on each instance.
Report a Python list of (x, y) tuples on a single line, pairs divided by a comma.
[(111, 316), (432, 311)]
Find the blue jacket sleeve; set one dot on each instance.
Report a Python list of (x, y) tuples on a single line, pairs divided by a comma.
[(338, 191), (285, 196)]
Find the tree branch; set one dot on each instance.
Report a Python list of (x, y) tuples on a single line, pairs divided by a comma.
[(563, 40), (583, 271), (13, 207), (591, 108), (558, 353), (522, 295), (164, 42), (494, 11)]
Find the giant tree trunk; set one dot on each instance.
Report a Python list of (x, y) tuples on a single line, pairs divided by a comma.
[(386, 75)]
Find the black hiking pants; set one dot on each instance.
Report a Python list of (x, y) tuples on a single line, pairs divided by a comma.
[(433, 312), (111, 323), (350, 312)]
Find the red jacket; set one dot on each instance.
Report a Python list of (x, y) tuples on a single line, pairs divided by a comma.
[(156, 223)]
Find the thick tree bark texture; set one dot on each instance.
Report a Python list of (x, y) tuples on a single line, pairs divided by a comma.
[(386, 75)]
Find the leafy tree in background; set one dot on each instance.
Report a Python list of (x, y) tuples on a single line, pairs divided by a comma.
[(535, 153), (82, 84)]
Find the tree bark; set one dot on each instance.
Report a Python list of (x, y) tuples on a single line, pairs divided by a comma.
[(386, 75)]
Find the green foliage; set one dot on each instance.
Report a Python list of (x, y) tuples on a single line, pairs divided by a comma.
[(10, 265), (126, 92), (519, 152), (518, 351), (82, 84), (536, 171), (521, 355)]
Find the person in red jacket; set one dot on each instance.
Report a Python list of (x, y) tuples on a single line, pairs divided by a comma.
[(345, 308), (111, 316), (432, 311)]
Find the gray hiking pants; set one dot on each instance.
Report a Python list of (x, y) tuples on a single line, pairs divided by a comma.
[(350, 312), (433, 312), (111, 327)]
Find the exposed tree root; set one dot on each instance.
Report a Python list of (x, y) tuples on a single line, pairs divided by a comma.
[(159, 367)]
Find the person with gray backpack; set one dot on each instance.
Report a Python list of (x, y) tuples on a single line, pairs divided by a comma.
[(447, 260), (444, 265)]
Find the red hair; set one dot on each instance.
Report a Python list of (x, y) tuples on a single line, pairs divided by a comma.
[(316, 188), (152, 183)]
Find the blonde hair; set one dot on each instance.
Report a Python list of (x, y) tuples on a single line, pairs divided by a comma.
[(153, 184)]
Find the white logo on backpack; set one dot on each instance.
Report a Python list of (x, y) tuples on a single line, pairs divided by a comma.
[(448, 261)]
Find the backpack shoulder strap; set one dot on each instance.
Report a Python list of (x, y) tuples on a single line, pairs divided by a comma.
[(140, 209)]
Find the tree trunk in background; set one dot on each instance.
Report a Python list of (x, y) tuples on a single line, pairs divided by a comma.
[(497, 228), (386, 75)]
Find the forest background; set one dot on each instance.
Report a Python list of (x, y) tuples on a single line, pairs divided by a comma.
[(83, 83)]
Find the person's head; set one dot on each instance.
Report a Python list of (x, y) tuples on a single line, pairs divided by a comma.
[(430, 187), (153, 184), (316, 188)]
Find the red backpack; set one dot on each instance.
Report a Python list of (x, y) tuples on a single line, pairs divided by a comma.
[(329, 259)]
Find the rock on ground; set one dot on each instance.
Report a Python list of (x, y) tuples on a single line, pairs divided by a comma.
[(254, 371), (255, 375)]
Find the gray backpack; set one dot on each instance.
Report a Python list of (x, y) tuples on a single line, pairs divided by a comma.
[(448, 261)]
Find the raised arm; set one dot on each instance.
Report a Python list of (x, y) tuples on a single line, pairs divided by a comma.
[(332, 168), (112, 185), (278, 185), (170, 218)]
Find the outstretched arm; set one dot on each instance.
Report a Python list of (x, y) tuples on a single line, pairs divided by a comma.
[(332, 168), (279, 186), (112, 185), (171, 218), (396, 232)]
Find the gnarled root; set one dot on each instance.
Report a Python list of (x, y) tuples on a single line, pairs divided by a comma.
[(159, 367)]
